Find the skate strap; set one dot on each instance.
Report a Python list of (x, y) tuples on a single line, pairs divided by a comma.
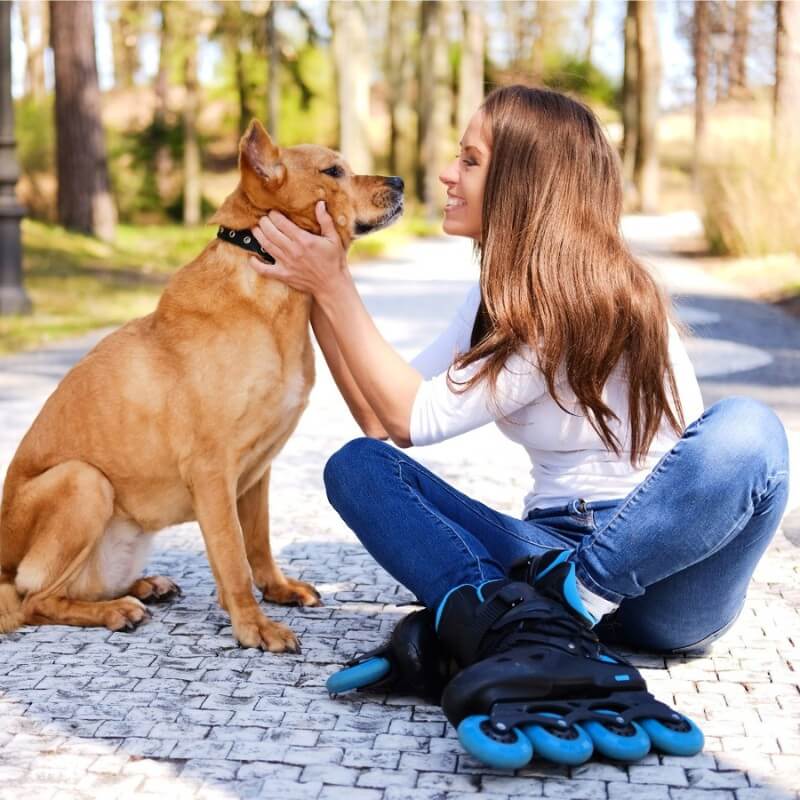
[(494, 608)]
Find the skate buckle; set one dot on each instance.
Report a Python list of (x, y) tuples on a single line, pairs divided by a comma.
[(510, 595)]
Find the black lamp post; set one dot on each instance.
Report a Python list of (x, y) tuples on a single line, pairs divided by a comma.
[(13, 299)]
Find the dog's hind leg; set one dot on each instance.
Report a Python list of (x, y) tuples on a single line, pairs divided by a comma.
[(253, 508), (68, 508), (155, 589)]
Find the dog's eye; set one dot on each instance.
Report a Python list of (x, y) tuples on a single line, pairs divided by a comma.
[(335, 171)]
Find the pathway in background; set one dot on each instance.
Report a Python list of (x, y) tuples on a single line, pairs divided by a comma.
[(176, 709)]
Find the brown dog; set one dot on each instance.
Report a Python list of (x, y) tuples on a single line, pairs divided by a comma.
[(177, 416)]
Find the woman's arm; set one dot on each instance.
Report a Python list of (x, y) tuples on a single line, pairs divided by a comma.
[(318, 265), (359, 408)]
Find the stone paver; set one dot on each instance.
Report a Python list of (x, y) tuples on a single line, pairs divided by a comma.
[(177, 710)]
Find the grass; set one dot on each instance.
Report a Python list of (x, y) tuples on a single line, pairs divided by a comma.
[(760, 212), (77, 283)]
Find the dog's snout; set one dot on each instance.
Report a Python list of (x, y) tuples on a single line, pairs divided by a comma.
[(395, 183)]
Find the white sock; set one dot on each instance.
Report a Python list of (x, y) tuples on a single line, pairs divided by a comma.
[(597, 606)]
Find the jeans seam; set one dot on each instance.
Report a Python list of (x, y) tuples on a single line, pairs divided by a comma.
[(474, 509), (632, 500), (781, 474), (443, 523)]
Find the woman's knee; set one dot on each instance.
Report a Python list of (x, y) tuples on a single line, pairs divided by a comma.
[(353, 463), (742, 430)]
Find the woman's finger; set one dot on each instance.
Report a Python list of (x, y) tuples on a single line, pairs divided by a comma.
[(326, 222), (268, 270), (274, 236), (285, 226), (273, 241), (260, 238)]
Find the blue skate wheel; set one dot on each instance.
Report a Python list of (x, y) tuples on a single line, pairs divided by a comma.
[(623, 742), (509, 750), (679, 738), (358, 676), (569, 744)]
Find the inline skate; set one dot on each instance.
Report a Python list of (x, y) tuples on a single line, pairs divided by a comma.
[(411, 662), (535, 679)]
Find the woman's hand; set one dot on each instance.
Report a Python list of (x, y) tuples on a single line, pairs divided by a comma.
[(304, 261), (317, 265)]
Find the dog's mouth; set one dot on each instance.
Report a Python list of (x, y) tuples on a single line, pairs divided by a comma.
[(362, 228)]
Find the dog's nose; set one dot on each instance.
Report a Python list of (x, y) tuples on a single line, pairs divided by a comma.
[(396, 183)]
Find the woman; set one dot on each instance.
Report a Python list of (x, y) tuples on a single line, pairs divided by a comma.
[(661, 510)]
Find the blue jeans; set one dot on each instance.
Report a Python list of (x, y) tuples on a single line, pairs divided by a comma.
[(677, 553)]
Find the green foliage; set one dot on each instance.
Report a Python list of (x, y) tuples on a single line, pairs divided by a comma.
[(750, 202), (35, 134), (132, 158), (78, 283), (567, 73), (304, 118)]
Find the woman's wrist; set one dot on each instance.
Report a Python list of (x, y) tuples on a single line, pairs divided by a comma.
[(335, 292)]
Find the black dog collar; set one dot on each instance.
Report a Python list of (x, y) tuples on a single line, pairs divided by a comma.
[(245, 240)]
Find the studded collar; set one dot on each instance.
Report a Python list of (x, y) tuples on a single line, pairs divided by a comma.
[(245, 240)]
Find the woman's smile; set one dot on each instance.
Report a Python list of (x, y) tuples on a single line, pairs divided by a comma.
[(454, 203)]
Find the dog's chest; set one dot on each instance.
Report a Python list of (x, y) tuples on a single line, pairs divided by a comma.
[(271, 412)]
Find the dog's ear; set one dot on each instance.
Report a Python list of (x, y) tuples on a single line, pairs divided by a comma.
[(258, 153)]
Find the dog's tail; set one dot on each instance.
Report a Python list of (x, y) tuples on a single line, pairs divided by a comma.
[(11, 616)]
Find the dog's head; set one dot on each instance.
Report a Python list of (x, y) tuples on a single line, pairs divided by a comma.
[(293, 179)]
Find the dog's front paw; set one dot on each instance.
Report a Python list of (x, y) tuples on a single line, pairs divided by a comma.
[(267, 635), (293, 593), (124, 614)]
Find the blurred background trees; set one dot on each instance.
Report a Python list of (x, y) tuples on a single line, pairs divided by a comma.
[(701, 98), (389, 84)]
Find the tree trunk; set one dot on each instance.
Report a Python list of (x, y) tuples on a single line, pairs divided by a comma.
[(590, 17), (737, 67), (515, 24), (470, 76), (125, 31), (701, 34), (435, 102), (163, 160), (630, 80), (786, 128), (192, 194), (545, 12), (351, 57), (649, 72), (273, 78), (241, 90), (721, 60), (84, 198), (32, 15), (13, 298), (400, 68)]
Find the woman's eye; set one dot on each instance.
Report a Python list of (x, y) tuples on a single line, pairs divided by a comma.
[(468, 162), (335, 171)]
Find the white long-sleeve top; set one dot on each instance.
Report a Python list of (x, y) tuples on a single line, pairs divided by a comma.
[(568, 458)]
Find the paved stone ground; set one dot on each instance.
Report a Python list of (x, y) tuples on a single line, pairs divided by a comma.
[(176, 709)]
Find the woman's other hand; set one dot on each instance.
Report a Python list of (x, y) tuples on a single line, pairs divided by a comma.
[(303, 260)]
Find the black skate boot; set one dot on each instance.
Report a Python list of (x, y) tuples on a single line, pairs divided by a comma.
[(535, 680), (411, 662)]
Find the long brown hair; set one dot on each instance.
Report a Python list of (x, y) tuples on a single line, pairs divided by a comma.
[(557, 276)]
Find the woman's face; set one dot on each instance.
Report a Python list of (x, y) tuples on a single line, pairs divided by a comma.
[(464, 178)]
